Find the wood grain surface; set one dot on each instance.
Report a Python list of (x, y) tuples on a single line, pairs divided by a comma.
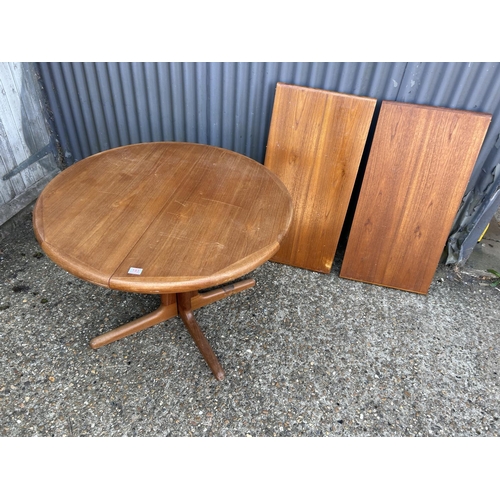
[(190, 216), (315, 144), (419, 165)]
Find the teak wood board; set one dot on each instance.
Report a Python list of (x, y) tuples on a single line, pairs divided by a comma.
[(189, 216), (316, 141), (418, 168)]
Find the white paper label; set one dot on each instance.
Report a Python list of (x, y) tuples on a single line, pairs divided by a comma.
[(135, 270)]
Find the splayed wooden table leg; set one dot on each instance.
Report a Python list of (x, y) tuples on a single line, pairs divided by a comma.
[(188, 301), (167, 310), (187, 316)]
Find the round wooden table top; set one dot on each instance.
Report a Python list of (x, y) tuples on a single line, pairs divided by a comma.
[(162, 217)]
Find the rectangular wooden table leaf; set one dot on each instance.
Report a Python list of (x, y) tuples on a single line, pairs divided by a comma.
[(315, 144), (418, 169)]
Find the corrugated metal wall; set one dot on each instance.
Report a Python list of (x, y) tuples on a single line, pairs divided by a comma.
[(103, 105), (97, 106)]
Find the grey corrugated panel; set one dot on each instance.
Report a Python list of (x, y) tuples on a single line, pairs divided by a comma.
[(103, 105), (109, 113), (117, 108), (70, 74)]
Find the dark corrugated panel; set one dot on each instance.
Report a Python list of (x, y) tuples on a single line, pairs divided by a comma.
[(98, 106)]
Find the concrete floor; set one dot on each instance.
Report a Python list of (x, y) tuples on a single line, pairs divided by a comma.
[(305, 354)]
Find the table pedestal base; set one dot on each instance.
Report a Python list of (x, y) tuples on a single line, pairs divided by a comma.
[(183, 305)]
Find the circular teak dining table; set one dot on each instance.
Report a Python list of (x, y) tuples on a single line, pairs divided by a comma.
[(166, 218)]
